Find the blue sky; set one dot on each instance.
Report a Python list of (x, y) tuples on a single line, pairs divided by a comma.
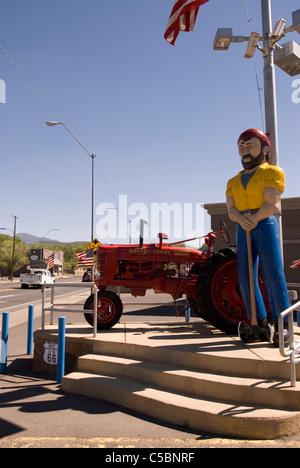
[(162, 120)]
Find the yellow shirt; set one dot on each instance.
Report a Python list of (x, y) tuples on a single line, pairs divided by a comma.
[(252, 197)]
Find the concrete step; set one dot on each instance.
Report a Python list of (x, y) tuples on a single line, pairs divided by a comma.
[(194, 346), (224, 355), (190, 411), (209, 384)]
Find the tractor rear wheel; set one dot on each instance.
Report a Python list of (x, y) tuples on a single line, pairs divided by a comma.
[(218, 293), (109, 309)]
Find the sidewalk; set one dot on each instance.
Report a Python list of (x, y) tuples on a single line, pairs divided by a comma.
[(36, 413)]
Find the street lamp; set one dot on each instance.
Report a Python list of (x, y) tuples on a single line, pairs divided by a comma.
[(223, 39), (53, 124), (296, 22), (286, 57), (44, 238), (48, 233)]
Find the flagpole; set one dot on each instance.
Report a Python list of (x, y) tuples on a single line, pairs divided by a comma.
[(93, 196)]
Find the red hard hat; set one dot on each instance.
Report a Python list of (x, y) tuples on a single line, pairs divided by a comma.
[(255, 133)]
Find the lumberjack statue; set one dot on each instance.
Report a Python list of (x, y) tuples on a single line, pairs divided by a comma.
[(253, 198)]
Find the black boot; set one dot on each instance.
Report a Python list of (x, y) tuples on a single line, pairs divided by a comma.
[(263, 323), (285, 335)]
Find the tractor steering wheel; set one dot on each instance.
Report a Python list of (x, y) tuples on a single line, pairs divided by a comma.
[(224, 232)]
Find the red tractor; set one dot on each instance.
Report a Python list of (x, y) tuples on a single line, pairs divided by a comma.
[(209, 280)]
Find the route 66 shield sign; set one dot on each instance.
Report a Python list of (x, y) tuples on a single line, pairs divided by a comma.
[(50, 353)]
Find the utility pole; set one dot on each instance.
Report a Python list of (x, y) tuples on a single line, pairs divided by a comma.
[(270, 81), (270, 94), (13, 250)]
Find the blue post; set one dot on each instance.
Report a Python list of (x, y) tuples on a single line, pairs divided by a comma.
[(298, 318), (4, 342), (30, 329), (61, 349)]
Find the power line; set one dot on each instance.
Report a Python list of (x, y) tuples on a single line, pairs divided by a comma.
[(255, 69), (25, 77), (110, 190)]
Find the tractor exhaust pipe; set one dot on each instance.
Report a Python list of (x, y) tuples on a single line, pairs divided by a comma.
[(142, 222)]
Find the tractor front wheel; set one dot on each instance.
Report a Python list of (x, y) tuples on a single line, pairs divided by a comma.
[(109, 309)]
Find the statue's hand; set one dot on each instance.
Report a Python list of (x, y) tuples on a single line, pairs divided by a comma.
[(247, 222)]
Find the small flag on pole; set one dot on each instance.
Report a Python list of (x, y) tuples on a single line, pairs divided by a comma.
[(50, 261), (183, 18), (85, 258), (81, 255), (295, 264)]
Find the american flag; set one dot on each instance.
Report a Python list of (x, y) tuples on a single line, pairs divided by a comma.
[(295, 264), (85, 258), (81, 255), (50, 261), (183, 18)]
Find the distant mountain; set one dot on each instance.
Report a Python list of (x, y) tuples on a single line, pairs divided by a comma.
[(29, 239)]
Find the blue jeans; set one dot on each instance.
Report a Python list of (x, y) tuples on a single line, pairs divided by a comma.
[(266, 251)]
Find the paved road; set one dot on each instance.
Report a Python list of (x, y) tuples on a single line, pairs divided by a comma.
[(35, 413), (13, 297)]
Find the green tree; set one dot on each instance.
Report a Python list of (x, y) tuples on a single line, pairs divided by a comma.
[(70, 250), (7, 260)]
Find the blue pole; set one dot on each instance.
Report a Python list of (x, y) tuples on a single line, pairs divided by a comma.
[(4, 342), (30, 329), (61, 349)]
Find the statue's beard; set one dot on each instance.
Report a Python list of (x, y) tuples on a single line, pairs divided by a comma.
[(253, 162)]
